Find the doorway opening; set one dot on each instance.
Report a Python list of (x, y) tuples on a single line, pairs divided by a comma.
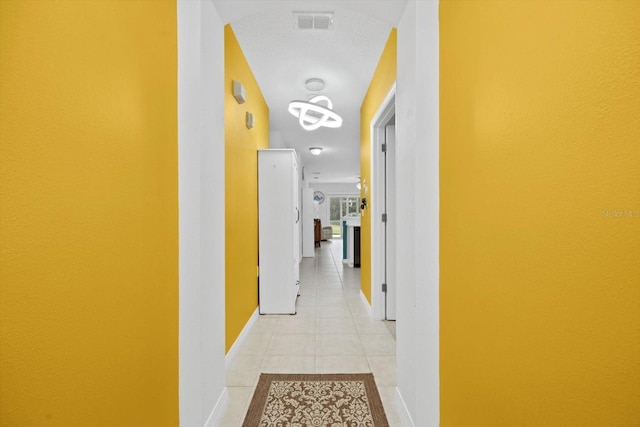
[(383, 212)]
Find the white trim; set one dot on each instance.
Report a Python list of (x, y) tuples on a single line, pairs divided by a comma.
[(218, 409), (417, 199), (365, 302), (200, 44), (377, 127), (243, 336), (403, 411)]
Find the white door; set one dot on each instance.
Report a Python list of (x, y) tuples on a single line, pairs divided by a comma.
[(383, 213), (390, 223)]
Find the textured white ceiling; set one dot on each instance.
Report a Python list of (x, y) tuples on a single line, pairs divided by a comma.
[(283, 58)]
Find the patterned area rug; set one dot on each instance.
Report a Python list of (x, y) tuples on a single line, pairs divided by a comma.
[(316, 400)]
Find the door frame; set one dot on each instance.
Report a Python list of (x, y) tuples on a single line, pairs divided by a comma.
[(385, 113)]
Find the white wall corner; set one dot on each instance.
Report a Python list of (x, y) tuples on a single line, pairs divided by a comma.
[(427, 229), (403, 411), (201, 388), (190, 400), (417, 191), (218, 410)]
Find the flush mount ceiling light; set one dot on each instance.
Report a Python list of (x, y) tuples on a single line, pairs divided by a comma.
[(312, 115), (314, 85), (315, 150)]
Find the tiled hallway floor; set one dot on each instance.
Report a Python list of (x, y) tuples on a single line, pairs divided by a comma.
[(331, 333)]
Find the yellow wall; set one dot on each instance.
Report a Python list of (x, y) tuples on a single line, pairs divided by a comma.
[(241, 188), (540, 288), (88, 213), (381, 83)]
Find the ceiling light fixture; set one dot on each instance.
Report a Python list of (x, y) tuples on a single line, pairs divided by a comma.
[(312, 115), (314, 84), (315, 150)]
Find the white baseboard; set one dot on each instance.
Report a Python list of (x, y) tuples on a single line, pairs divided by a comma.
[(366, 303), (218, 410), (243, 335), (403, 411)]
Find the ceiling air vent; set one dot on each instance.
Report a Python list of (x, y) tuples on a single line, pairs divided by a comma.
[(313, 20)]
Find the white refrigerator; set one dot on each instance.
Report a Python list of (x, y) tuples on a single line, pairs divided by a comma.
[(279, 230)]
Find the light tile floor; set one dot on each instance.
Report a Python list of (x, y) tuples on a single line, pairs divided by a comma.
[(331, 333)]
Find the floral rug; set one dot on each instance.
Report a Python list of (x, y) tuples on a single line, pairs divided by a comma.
[(316, 400)]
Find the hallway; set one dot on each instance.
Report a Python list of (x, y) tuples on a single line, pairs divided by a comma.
[(331, 333)]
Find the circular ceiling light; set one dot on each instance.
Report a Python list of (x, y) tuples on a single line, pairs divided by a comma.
[(315, 150), (315, 84), (312, 115)]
